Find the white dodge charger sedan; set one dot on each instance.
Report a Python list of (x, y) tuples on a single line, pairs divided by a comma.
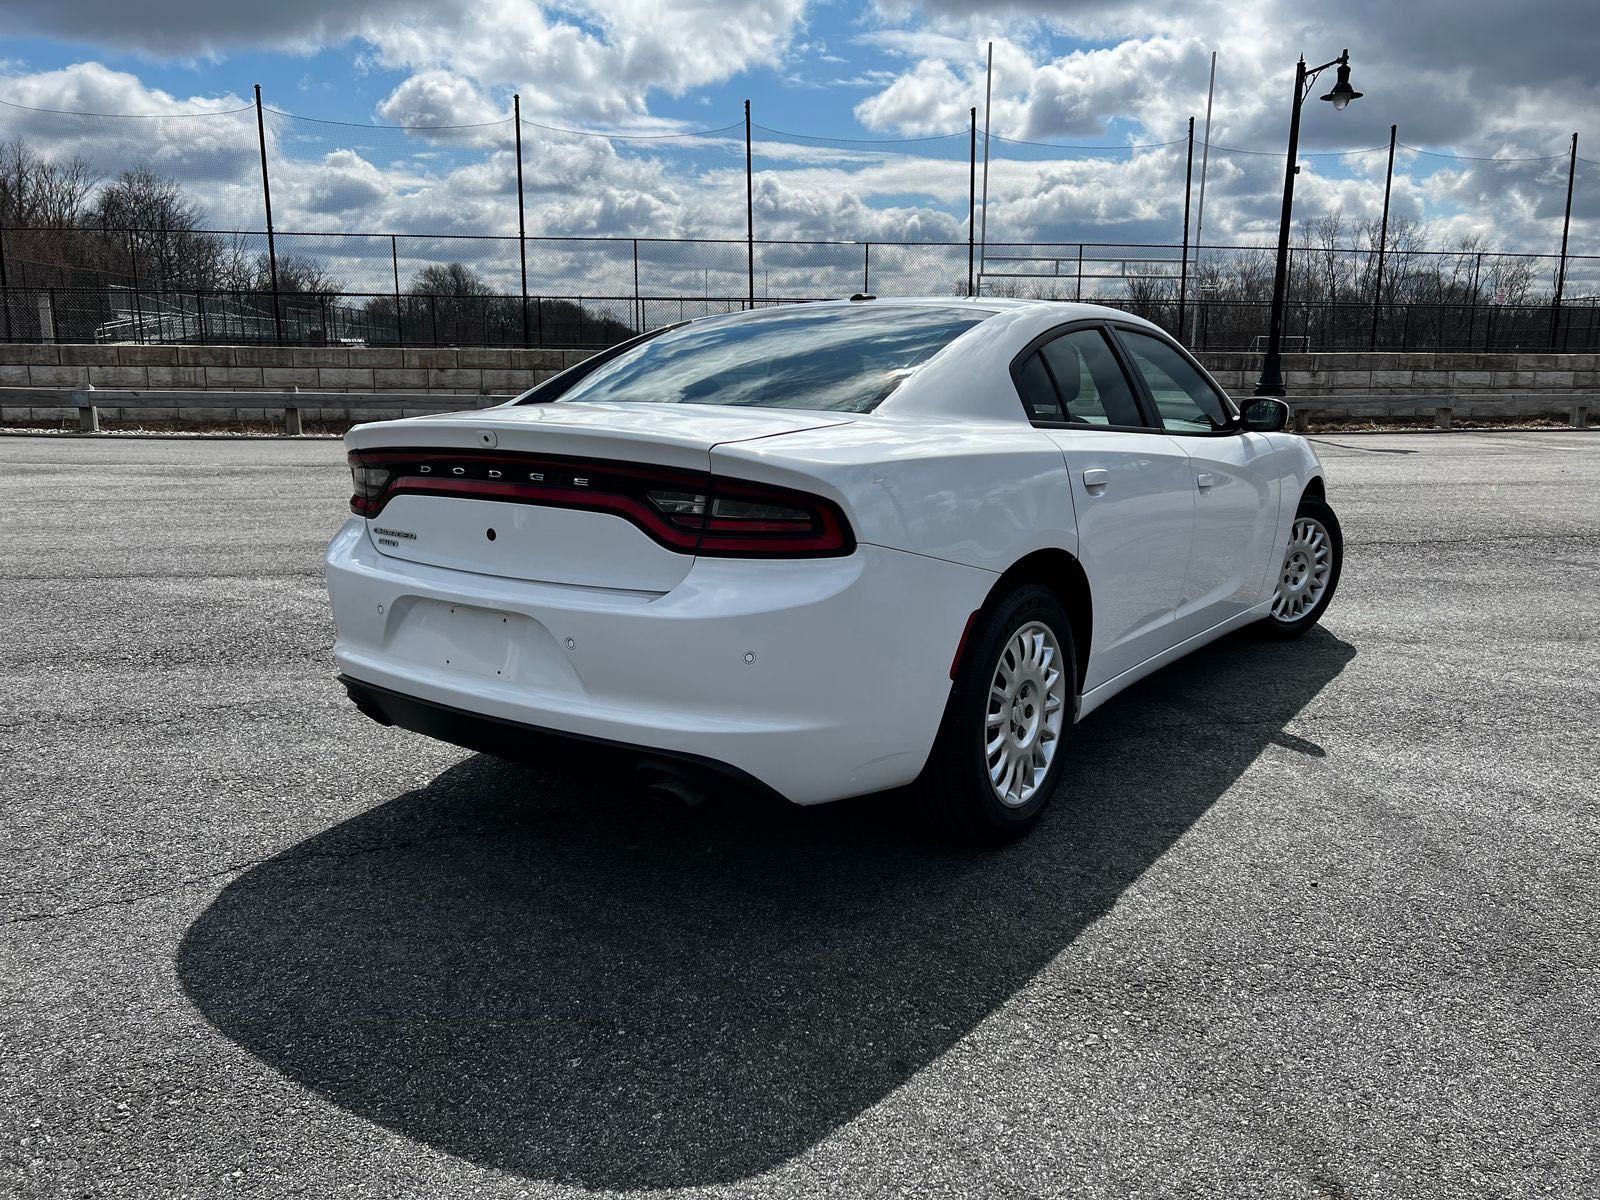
[(826, 549)]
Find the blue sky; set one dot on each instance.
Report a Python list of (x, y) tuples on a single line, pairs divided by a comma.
[(812, 92), (1469, 78)]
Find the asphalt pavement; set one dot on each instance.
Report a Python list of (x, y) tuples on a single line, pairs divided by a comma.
[(1315, 919)]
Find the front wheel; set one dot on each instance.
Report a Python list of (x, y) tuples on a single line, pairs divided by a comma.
[(1308, 573), (999, 755)]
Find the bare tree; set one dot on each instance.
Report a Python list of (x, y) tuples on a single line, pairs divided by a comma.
[(42, 200), (299, 275), (41, 193), (159, 239), (449, 279)]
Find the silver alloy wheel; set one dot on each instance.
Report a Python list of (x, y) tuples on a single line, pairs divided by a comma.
[(1022, 726), (1307, 565)]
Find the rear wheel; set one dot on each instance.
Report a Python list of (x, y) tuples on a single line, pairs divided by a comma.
[(1308, 573), (999, 755)]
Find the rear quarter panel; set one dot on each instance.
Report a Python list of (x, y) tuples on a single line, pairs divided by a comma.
[(983, 494)]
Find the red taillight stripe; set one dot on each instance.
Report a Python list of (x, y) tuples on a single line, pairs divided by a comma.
[(619, 489)]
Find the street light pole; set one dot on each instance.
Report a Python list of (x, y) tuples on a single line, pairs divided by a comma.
[(1271, 382)]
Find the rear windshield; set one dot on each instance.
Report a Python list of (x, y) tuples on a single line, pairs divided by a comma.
[(836, 358)]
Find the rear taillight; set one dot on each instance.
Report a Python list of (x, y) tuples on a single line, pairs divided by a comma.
[(754, 519), (369, 483), (681, 510)]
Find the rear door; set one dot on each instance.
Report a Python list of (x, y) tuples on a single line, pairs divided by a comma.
[(1132, 490), (1233, 477)]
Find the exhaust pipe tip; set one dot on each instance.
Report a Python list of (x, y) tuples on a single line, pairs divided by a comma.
[(661, 781)]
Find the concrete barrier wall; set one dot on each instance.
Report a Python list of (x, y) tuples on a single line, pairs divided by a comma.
[(502, 371), (469, 371), (1417, 375)]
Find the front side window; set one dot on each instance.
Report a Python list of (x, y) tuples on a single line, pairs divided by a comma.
[(843, 359), (1186, 401)]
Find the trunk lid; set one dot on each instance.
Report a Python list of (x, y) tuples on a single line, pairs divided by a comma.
[(595, 460)]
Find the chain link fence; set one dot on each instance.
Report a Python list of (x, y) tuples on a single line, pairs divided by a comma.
[(207, 287), (106, 233)]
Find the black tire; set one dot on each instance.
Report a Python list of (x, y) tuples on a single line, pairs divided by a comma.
[(1316, 510), (956, 779)]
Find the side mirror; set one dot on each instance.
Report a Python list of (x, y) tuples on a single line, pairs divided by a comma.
[(1265, 415)]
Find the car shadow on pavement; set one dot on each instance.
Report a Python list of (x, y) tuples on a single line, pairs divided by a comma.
[(563, 980)]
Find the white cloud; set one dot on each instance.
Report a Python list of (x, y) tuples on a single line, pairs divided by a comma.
[(345, 183), (601, 68), (594, 59), (435, 97)]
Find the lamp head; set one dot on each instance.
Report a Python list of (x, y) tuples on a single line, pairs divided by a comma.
[(1342, 93)]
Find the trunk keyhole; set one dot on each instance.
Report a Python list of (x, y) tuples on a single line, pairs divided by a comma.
[(489, 533)]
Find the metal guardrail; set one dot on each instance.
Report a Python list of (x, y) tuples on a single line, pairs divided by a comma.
[(294, 403), (1443, 408)]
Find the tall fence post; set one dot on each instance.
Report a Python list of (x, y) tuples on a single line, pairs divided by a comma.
[(1472, 312), (1566, 226), (866, 269), (522, 220), (138, 302), (972, 204), (266, 198), (638, 304), (399, 320), (1383, 242), (749, 207), (1183, 270), (5, 286)]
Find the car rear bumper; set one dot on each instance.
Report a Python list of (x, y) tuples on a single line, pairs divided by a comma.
[(531, 744), (817, 678)]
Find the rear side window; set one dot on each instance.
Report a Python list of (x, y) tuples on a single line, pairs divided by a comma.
[(1186, 402), (1038, 391), (1075, 379)]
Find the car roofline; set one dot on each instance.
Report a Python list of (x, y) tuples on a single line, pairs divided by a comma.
[(1066, 310)]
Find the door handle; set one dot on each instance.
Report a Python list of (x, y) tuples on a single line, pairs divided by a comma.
[(1204, 479), (1095, 480)]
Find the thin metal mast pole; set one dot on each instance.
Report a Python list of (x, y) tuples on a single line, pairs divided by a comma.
[(1183, 271), (266, 197), (983, 228), (522, 220), (1205, 161), (972, 200), (1383, 241), (749, 207), (1566, 226)]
